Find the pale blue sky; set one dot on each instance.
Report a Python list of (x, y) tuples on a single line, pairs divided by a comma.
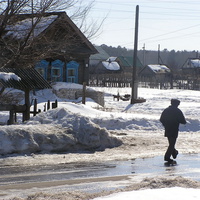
[(170, 24)]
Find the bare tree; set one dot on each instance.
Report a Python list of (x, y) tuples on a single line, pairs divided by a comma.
[(18, 46)]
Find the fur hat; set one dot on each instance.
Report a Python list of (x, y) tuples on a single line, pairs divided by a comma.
[(175, 102)]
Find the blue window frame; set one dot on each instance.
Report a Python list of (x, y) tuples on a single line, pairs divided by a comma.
[(72, 72), (57, 70), (42, 67)]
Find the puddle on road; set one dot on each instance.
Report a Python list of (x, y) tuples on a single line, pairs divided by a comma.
[(188, 166)]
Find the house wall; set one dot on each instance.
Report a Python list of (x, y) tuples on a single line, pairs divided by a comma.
[(60, 71)]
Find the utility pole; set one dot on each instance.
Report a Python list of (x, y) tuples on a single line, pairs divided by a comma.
[(144, 58), (159, 54), (160, 61), (134, 81)]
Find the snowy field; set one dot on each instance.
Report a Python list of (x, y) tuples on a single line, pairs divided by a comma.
[(119, 131)]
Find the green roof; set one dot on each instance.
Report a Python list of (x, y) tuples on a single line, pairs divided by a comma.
[(127, 61), (101, 55)]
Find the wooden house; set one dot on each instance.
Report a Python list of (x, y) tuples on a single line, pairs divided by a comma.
[(115, 71), (58, 50), (155, 75), (191, 67), (191, 74), (97, 58), (120, 64), (108, 66)]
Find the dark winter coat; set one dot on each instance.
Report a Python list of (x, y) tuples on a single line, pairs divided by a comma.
[(171, 117)]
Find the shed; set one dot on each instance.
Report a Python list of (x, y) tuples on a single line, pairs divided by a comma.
[(155, 74), (25, 80)]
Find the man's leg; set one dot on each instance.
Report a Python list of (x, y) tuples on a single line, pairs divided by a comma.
[(170, 149), (175, 153)]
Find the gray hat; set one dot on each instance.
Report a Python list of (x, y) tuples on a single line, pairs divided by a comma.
[(175, 102)]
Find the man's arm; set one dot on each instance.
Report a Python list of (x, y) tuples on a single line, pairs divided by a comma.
[(162, 118), (182, 118)]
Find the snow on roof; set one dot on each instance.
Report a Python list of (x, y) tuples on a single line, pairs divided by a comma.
[(111, 64), (159, 68), (7, 76), (195, 62), (20, 29)]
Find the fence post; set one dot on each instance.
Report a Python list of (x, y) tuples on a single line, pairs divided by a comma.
[(48, 104), (84, 93), (35, 107), (55, 105), (11, 118)]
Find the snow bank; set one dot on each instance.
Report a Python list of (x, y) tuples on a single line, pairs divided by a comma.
[(56, 130), (155, 194), (159, 188)]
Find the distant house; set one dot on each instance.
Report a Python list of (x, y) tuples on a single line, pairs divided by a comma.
[(191, 67), (121, 64), (59, 51), (191, 74), (95, 59), (108, 66), (155, 75), (114, 71)]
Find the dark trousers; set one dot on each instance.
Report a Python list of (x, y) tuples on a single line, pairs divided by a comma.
[(171, 148)]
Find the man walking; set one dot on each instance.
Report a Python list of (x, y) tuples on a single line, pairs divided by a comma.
[(171, 117)]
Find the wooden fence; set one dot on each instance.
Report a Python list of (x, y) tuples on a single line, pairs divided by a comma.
[(14, 109), (125, 80), (110, 80)]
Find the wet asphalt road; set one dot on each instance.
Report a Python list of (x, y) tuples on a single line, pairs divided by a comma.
[(26, 177)]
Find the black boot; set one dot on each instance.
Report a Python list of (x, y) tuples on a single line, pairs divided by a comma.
[(175, 153)]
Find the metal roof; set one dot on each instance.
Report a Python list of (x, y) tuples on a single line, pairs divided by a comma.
[(127, 61), (30, 79)]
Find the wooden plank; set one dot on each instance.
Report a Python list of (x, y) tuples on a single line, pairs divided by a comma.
[(16, 108)]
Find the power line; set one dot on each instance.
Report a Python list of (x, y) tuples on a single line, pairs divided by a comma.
[(171, 32), (151, 10)]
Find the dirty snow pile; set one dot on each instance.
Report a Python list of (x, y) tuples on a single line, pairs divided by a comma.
[(156, 194), (56, 130)]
